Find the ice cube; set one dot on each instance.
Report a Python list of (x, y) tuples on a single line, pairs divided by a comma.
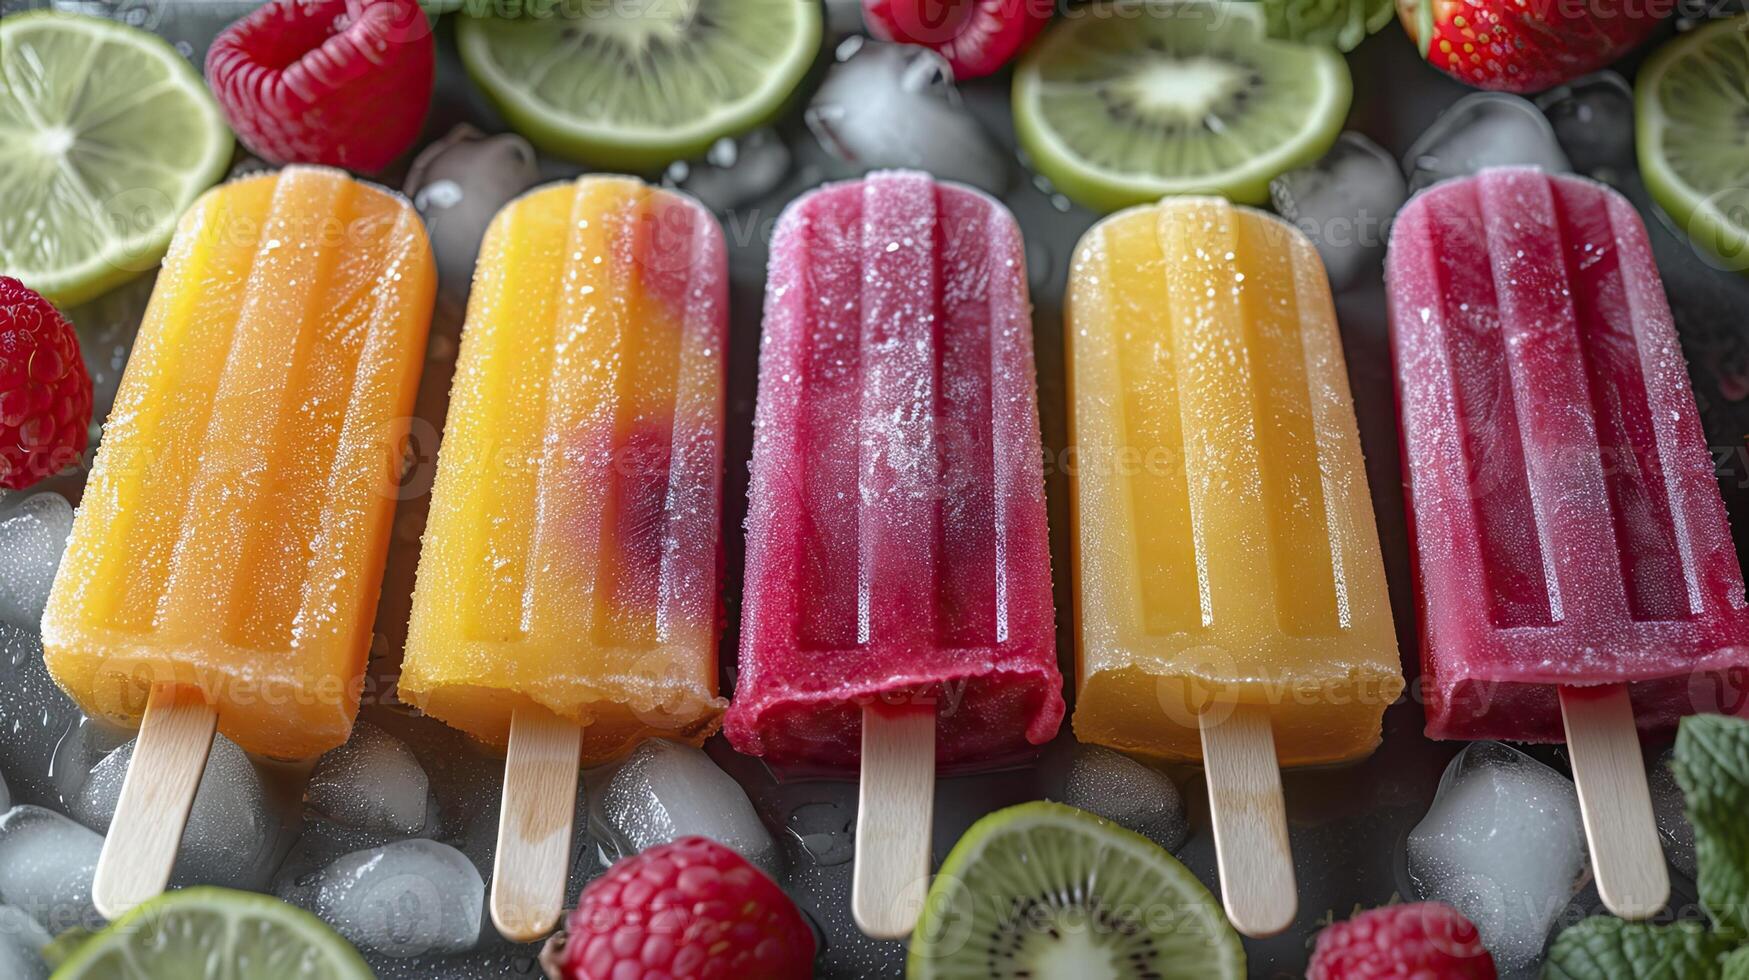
[(46, 864), (1669, 807), (35, 716), (894, 105), (457, 184), (735, 171), (1118, 788), (79, 751), (1344, 203), (1485, 129), (1504, 844), (465, 784), (465, 787), (1593, 118), (408, 898), (232, 835), (21, 946), (33, 535), (373, 782), (666, 790)]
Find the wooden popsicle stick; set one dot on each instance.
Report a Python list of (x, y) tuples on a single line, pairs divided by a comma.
[(533, 862), (894, 820), (1250, 819), (176, 734), (1604, 745)]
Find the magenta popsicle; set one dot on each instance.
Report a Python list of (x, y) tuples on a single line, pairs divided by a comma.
[(1567, 526), (896, 538)]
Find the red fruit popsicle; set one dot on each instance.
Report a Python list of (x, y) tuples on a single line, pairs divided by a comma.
[(1575, 572), (897, 554), (896, 538), (1568, 527)]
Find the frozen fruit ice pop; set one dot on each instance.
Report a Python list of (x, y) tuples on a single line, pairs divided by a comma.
[(232, 534), (1224, 538), (570, 560), (1567, 526), (896, 539)]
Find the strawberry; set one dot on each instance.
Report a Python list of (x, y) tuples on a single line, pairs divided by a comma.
[(977, 37), (1527, 45), (338, 82)]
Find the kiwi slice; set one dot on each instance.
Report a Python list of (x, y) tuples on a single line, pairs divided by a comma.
[(637, 84), (1046, 890), (1692, 129), (1131, 100)]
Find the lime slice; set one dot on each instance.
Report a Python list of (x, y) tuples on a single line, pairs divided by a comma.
[(1046, 890), (106, 136), (1691, 113), (1128, 101), (636, 86), (215, 932)]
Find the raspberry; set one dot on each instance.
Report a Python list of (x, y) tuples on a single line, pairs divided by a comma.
[(690, 909), (1426, 941), (977, 37), (45, 392), (338, 82)]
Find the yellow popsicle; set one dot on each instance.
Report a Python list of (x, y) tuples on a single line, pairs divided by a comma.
[(1224, 541), (570, 561), (232, 533)]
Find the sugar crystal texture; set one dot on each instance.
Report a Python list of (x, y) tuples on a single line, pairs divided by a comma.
[(1567, 525), (570, 560), (232, 533), (1224, 536), (896, 539)]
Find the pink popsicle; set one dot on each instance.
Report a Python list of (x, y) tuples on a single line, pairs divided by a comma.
[(1567, 526), (896, 540)]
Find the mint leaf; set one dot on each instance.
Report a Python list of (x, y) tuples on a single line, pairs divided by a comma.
[(1712, 767), (1606, 948), (1344, 23), (1737, 966)]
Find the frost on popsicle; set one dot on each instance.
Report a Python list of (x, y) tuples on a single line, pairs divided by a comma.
[(570, 560), (897, 546), (1568, 522)]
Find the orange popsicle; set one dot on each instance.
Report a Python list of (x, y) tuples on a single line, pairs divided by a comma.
[(232, 534), (570, 563)]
